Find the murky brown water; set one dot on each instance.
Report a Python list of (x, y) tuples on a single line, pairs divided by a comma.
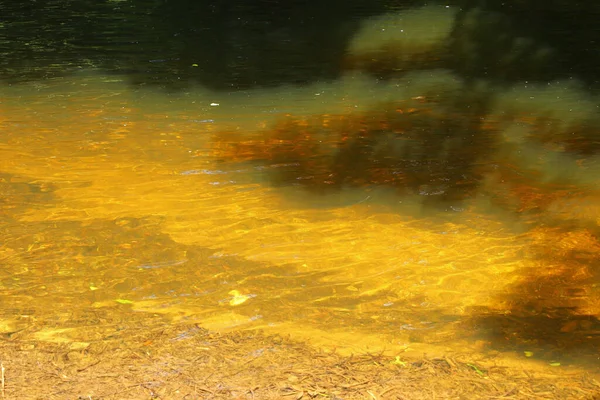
[(112, 202)]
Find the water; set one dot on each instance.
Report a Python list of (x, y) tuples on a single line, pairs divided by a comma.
[(120, 198)]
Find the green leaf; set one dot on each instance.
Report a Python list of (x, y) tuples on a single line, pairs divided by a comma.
[(555, 364), (481, 373)]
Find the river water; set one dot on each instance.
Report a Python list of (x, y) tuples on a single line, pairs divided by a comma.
[(119, 198)]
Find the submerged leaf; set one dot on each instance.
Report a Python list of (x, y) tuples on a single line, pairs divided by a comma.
[(238, 298)]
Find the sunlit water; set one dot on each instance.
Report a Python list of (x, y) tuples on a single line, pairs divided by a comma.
[(112, 202)]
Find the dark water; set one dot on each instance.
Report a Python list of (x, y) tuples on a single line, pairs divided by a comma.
[(240, 44)]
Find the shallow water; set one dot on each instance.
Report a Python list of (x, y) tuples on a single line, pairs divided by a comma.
[(114, 203)]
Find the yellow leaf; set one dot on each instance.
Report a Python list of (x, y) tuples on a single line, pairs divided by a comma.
[(397, 361), (237, 298), (124, 301)]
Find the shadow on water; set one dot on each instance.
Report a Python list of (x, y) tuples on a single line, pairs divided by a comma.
[(435, 149), (547, 313)]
